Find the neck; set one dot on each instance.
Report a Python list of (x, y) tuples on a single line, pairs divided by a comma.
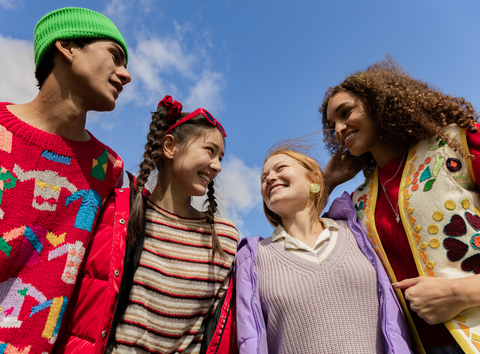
[(164, 197), (388, 153), (53, 113), (302, 227)]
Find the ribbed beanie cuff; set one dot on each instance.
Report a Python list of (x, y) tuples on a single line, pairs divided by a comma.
[(73, 23)]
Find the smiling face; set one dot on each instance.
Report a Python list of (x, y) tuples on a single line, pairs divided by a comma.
[(98, 74), (285, 185), (354, 129), (196, 163)]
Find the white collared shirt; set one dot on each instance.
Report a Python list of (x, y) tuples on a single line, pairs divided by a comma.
[(322, 248)]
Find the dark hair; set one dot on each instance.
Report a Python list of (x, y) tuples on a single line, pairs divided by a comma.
[(312, 170), (47, 64), (403, 109), (153, 158)]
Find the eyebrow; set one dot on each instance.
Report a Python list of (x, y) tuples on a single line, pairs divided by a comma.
[(216, 146), (341, 105), (120, 49), (274, 166)]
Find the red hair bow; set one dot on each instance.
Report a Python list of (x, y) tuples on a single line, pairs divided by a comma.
[(173, 107)]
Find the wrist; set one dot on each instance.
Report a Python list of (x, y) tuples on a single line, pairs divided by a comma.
[(466, 291)]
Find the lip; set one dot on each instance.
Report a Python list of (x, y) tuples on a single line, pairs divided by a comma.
[(208, 175), (348, 137), (275, 185), (118, 86)]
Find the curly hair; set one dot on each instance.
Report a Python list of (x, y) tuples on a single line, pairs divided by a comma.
[(153, 159), (403, 109)]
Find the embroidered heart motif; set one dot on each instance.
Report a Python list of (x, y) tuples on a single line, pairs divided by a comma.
[(456, 227), (456, 249), (473, 220), (472, 264)]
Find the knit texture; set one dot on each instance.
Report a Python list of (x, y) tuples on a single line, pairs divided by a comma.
[(51, 192), (73, 23), (330, 307), (176, 285)]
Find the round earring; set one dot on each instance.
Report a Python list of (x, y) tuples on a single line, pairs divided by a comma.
[(314, 188)]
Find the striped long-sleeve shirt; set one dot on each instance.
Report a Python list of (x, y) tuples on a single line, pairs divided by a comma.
[(176, 284)]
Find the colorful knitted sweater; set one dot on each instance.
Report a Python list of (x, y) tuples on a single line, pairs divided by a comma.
[(51, 191)]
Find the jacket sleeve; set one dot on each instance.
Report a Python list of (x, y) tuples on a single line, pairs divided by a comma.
[(251, 331), (220, 332)]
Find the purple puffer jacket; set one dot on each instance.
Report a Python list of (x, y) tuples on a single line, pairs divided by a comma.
[(251, 331)]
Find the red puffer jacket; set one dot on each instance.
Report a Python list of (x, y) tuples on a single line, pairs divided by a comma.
[(104, 283)]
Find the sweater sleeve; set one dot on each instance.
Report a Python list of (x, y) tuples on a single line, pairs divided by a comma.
[(473, 141)]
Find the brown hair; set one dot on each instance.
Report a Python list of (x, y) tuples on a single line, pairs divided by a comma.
[(312, 170), (403, 109), (153, 159), (47, 64)]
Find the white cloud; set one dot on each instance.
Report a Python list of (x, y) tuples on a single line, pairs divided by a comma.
[(206, 92), (105, 120), (237, 190), (162, 66), (10, 4), (17, 70), (117, 10)]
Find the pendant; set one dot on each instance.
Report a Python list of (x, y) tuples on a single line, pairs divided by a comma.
[(398, 218)]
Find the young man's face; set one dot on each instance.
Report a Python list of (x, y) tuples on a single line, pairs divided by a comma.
[(99, 73)]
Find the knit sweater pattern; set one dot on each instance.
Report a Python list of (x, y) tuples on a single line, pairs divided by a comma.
[(175, 286), (327, 307), (51, 191)]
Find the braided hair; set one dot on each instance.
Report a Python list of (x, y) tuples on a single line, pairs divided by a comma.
[(153, 158), (210, 213)]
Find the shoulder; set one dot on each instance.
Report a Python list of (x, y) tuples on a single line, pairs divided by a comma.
[(227, 229), (247, 249), (473, 140)]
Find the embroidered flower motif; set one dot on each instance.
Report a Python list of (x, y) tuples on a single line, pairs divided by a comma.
[(453, 164), (475, 241)]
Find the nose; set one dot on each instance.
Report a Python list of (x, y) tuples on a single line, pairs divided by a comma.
[(216, 165), (270, 178), (124, 75), (339, 128)]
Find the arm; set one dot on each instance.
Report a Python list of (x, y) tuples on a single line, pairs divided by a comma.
[(437, 300), (338, 171), (251, 332)]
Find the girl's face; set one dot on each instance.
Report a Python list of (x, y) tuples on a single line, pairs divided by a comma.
[(285, 185), (354, 129), (196, 163)]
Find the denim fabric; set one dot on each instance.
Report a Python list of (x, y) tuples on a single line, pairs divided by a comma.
[(448, 349)]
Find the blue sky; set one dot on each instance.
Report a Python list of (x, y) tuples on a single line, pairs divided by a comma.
[(260, 67)]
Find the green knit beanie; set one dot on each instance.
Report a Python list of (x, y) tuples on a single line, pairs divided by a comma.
[(73, 23)]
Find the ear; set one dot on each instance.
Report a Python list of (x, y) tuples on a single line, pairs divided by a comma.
[(318, 176), (169, 145), (64, 47)]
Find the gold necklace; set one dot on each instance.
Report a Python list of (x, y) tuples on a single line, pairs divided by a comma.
[(395, 211)]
